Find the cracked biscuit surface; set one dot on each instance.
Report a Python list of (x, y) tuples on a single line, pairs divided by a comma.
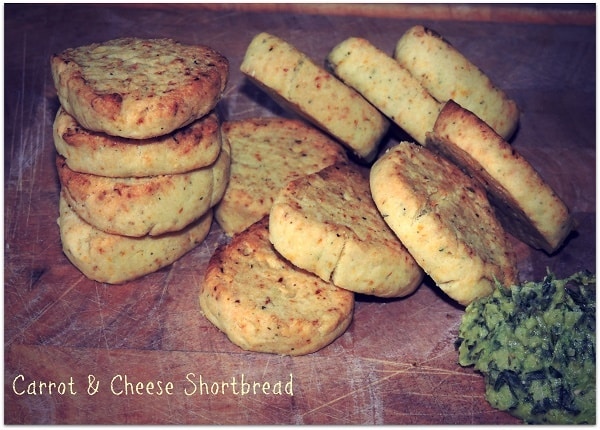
[(327, 223), (266, 153)]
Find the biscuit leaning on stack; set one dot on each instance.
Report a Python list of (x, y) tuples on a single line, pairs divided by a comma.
[(448, 75), (526, 205), (425, 72), (386, 84), (140, 156)]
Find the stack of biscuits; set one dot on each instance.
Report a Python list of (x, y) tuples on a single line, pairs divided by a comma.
[(140, 157)]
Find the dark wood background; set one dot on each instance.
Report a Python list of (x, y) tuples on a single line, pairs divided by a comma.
[(397, 363)]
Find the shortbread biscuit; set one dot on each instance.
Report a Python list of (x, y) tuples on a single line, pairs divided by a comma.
[(145, 206), (526, 205), (300, 85), (265, 304), (115, 259), (448, 75), (386, 84), (266, 153), (444, 219), (327, 224), (189, 148), (139, 88)]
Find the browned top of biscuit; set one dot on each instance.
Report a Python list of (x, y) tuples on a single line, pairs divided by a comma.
[(264, 303), (139, 88)]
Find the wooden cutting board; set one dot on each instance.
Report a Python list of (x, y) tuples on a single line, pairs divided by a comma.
[(78, 351)]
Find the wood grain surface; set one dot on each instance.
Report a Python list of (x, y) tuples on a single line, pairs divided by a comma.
[(78, 351)]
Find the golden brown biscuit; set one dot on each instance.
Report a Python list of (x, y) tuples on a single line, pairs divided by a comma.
[(265, 304), (145, 206), (327, 223), (526, 205), (139, 88), (444, 219), (299, 84), (116, 259), (448, 75), (266, 153), (189, 148), (386, 84)]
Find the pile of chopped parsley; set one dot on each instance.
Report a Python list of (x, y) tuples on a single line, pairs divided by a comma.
[(535, 344)]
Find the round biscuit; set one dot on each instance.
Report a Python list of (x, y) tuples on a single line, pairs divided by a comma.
[(116, 259), (327, 224), (188, 148), (145, 206), (265, 304), (139, 88), (297, 83), (525, 204), (444, 219)]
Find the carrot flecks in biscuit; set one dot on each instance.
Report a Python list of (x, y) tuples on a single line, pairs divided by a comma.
[(300, 85), (270, 305)]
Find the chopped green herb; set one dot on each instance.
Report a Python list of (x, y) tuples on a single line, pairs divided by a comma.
[(535, 344)]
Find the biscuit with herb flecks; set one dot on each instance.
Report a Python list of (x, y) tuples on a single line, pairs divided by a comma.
[(526, 205), (296, 82), (264, 303), (444, 219), (189, 148), (448, 75), (116, 259), (327, 223), (386, 84), (151, 205)]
